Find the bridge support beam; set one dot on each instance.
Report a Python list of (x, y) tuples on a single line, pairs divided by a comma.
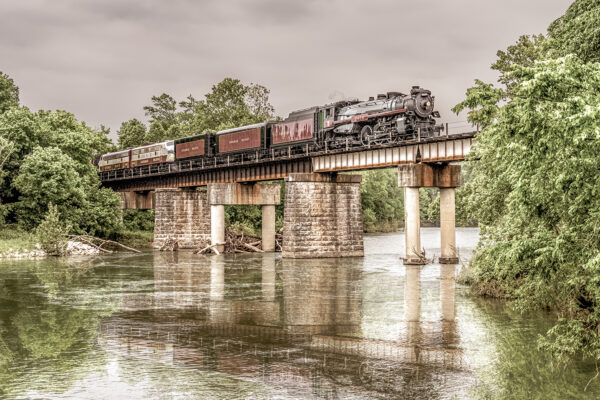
[(265, 195), (322, 216), (447, 178), (181, 215)]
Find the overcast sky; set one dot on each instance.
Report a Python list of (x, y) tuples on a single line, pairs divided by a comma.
[(103, 60)]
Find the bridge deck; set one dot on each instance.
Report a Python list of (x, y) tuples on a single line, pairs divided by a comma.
[(191, 173)]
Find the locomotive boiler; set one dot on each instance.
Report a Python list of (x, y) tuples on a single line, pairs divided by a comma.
[(391, 117)]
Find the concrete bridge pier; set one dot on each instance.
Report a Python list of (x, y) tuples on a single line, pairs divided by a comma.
[(446, 178), (322, 216)]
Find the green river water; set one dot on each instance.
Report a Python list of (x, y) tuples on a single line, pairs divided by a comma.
[(180, 326)]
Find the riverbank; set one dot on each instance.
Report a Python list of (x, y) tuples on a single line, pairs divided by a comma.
[(16, 243)]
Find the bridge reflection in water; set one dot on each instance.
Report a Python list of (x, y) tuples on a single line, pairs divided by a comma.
[(291, 323)]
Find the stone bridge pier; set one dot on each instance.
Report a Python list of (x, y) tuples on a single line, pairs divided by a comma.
[(446, 178), (189, 216), (322, 216)]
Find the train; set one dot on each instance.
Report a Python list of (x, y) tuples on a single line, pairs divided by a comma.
[(388, 118)]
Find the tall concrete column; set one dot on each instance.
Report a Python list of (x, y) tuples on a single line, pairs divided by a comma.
[(412, 227), (447, 226), (268, 227), (217, 226)]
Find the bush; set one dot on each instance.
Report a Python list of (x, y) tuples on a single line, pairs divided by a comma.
[(52, 233)]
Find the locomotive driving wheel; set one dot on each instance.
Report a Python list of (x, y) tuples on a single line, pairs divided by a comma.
[(366, 135)]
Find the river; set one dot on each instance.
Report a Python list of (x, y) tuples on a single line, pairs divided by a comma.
[(253, 326)]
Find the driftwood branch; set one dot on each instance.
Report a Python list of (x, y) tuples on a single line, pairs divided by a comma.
[(98, 243)]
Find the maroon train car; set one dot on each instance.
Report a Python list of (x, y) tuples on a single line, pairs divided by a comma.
[(298, 127), (244, 138), (193, 146)]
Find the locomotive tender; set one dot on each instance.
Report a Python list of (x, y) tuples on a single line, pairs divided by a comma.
[(390, 118)]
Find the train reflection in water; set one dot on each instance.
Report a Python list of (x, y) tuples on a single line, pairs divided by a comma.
[(291, 323)]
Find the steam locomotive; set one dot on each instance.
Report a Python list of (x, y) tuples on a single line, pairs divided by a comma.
[(390, 118)]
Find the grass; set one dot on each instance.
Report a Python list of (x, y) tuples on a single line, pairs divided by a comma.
[(11, 237)]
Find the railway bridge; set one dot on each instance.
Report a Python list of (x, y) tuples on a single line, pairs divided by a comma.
[(322, 203)]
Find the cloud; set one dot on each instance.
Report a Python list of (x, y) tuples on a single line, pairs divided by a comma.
[(104, 60)]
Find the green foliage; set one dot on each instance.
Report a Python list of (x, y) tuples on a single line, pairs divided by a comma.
[(229, 104), (46, 157), (246, 219), (11, 237), (525, 52), (535, 189), (9, 93), (382, 200), (577, 32), (49, 176), (138, 220), (482, 101), (131, 134), (52, 233)]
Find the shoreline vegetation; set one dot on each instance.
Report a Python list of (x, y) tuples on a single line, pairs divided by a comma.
[(534, 181)]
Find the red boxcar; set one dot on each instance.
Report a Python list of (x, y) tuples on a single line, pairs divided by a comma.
[(190, 149), (241, 139)]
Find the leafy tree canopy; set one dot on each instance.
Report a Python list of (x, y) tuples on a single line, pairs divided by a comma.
[(577, 31), (534, 184), (131, 134), (535, 195), (9, 93)]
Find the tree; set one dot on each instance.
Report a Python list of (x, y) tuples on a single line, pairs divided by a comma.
[(48, 176), (9, 93), (24, 130), (483, 102), (382, 200), (132, 133), (525, 52), (52, 233), (229, 104), (535, 194), (163, 109), (577, 32)]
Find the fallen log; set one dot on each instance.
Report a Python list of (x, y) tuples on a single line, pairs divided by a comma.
[(256, 249)]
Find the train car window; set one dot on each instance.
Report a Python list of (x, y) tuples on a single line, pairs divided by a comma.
[(327, 113)]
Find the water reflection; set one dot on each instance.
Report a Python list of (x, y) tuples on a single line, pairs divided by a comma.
[(165, 325), (296, 323)]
